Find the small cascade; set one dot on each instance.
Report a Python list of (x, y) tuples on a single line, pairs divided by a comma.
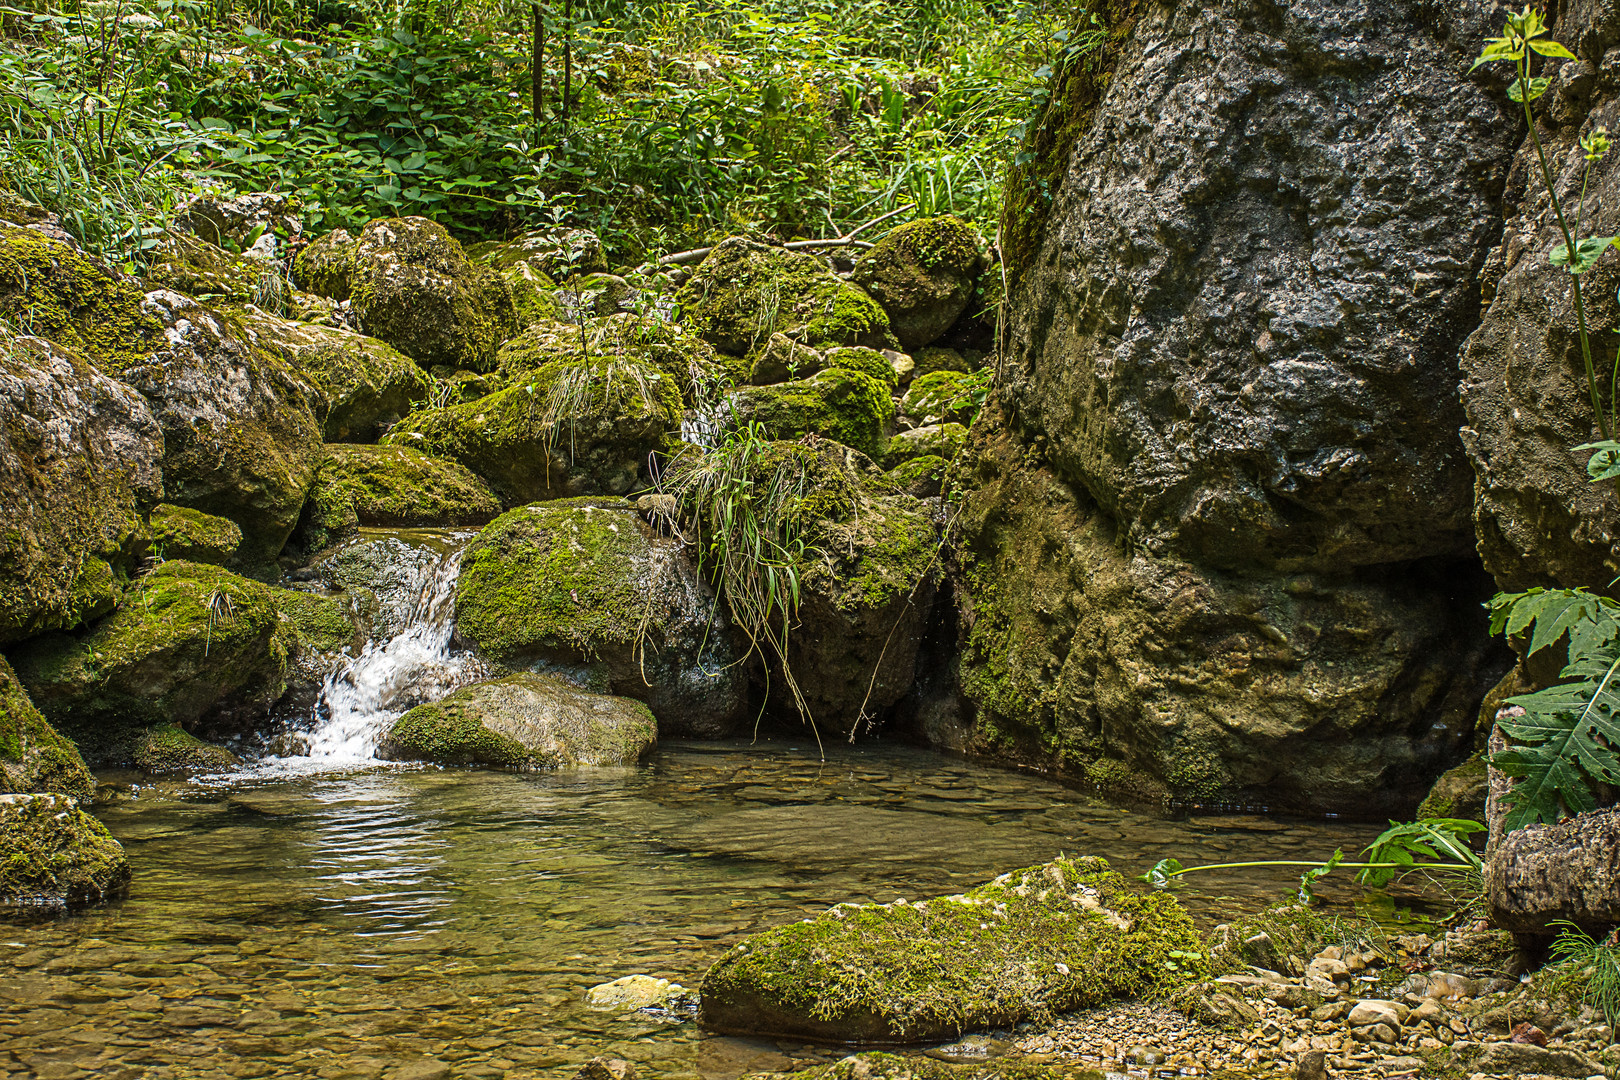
[(363, 697)]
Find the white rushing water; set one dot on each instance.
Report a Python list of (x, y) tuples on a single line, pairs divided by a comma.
[(363, 697)]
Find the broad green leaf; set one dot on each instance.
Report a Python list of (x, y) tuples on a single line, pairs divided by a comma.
[(1587, 252), (1604, 464), (1552, 48), (1538, 86)]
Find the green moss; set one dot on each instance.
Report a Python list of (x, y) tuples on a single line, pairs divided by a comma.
[(33, 757), (923, 476), (744, 292), (367, 386), (931, 360), (392, 486), (201, 270), (896, 548), (323, 623), (1291, 931), (52, 853), (939, 396), (689, 361), (1459, 793), (848, 406), (934, 440), (51, 290), (1027, 946), (326, 267), (169, 750), (923, 273), (867, 362), (445, 733), (1115, 780), (179, 532)]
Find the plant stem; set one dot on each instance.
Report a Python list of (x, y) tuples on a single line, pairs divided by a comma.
[(1317, 862)]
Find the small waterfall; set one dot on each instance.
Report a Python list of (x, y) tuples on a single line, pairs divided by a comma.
[(363, 697)]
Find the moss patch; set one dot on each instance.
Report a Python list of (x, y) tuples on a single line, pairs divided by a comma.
[(939, 397), (170, 750), (49, 289), (848, 406), (923, 476), (54, 854), (323, 623), (33, 757), (1029, 945), (397, 486), (1459, 793), (867, 362), (203, 271), (685, 358), (923, 274), (934, 440), (179, 532)]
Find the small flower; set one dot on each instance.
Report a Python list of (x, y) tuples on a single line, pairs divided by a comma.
[(1596, 143)]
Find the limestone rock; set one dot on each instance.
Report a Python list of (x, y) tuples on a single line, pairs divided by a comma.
[(636, 992), (525, 721), (272, 215), (413, 286), (583, 582), (873, 973), (52, 854), (923, 273), (743, 292), (240, 436), (1570, 870), (1459, 793), (923, 477), (648, 343), (1372, 1011), (179, 532), (80, 467), (848, 406), (33, 757), (1244, 349)]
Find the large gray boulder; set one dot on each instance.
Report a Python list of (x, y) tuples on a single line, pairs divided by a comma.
[(80, 469), (1570, 870)]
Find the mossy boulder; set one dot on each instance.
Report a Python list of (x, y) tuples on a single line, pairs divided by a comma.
[(327, 628), (744, 292), (1460, 792), (1283, 939), (33, 757), (80, 468), (1048, 939), (366, 386), (191, 644), (53, 854), (781, 359), (569, 428), (412, 285), (687, 359), (941, 397), (179, 532), (932, 440), (582, 582), (524, 721), (168, 750), (850, 407), (923, 273), (203, 271), (867, 361), (59, 293), (928, 361), (523, 263), (923, 476), (550, 254), (390, 486), (240, 436)]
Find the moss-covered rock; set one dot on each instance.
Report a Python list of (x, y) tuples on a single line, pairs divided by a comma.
[(1028, 945), (52, 854), (941, 397), (850, 407), (1460, 792), (923, 476), (203, 271), (928, 361), (523, 264), (687, 359), (190, 644), (366, 386), (33, 757), (877, 1065), (168, 750), (412, 285), (582, 582), (80, 467), (179, 532), (744, 292), (933, 440), (327, 628), (923, 273), (525, 721), (240, 436), (1283, 939), (397, 486), (781, 359), (546, 253), (867, 362), (568, 428), (57, 292)]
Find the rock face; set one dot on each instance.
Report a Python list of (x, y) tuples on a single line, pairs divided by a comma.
[(33, 757), (1029, 944), (1233, 360), (80, 467), (526, 721), (52, 854), (240, 436), (1306, 690), (586, 582), (190, 644), (923, 273), (413, 286), (1570, 870), (1540, 522)]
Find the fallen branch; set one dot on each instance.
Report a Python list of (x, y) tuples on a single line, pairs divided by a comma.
[(847, 240)]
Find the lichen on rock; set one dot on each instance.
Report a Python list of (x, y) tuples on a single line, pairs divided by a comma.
[(390, 486), (53, 854), (923, 274), (1026, 946), (54, 291)]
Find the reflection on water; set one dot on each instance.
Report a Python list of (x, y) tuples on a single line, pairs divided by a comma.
[(341, 924)]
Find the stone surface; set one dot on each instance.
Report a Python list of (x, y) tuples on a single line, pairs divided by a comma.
[(33, 757), (203, 271), (525, 721), (587, 583), (1243, 345), (1524, 1059), (167, 750), (57, 292), (240, 436), (179, 532), (388, 486), (635, 992), (80, 467), (1049, 938), (1459, 793), (933, 440), (849, 406), (922, 273), (52, 854), (1570, 870)]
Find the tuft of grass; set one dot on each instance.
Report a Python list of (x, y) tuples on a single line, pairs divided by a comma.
[(1590, 969)]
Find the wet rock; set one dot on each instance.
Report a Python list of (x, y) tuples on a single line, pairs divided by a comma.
[(1520, 1059), (1570, 870), (240, 436), (1479, 954), (872, 973), (584, 582), (850, 407), (412, 285), (525, 721), (388, 578), (80, 467), (190, 644), (603, 1068), (33, 757), (923, 274), (52, 854), (637, 992), (934, 440), (1215, 1005), (1459, 793), (388, 486), (179, 532), (167, 750), (744, 292)]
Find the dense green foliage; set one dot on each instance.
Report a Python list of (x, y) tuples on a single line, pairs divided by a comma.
[(682, 122)]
